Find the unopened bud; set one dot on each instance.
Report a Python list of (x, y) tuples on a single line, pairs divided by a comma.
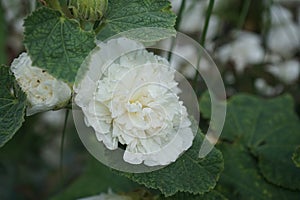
[(89, 10)]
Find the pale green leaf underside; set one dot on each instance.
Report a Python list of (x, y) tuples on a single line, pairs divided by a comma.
[(56, 43), (12, 106), (125, 15), (188, 174), (269, 129)]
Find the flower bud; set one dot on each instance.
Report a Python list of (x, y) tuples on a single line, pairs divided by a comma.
[(89, 10)]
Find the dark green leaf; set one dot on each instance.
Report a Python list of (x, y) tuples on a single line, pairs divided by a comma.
[(269, 129), (188, 174), (56, 43), (12, 106), (125, 15), (242, 179)]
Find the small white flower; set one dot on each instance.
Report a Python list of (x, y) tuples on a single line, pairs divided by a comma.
[(193, 18), (284, 35), (288, 72), (280, 15), (43, 91), (284, 39), (109, 196), (134, 102), (244, 50), (188, 52)]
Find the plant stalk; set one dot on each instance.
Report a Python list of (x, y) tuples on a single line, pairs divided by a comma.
[(203, 36), (62, 146), (177, 24), (244, 13)]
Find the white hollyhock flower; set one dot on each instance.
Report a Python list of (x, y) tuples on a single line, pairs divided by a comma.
[(188, 52), (284, 35), (244, 50), (287, 71), (284, 39), (194, 17), (280, 15), (43, 91), (131, 98)]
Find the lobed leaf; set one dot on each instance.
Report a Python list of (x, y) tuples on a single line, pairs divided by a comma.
[(136, 16), (12, 106), (188, 174), (242, 180), (56, 43), (269, 130)]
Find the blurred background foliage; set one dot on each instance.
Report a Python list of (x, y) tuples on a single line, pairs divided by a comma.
[(31, 164)]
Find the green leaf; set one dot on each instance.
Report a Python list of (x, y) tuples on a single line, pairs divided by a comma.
[(96, 179), (12, 106), (296, 157), (269, 129), (56, 43), (125, 15), (271, 136), (188, 174), (242, 179)]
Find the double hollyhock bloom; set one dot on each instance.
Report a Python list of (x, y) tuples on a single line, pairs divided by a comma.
[(129, 96)]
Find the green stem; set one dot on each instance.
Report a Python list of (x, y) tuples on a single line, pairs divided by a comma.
[(62, 145), (207, 19), (244, 13), (177, 24), (266, 22), (203, 36)]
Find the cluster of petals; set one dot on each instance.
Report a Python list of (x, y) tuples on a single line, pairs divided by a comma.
[(43, 91), (129, 96)]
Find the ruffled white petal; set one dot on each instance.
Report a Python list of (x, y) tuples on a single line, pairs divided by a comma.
[(43, 91), (132, 100)]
